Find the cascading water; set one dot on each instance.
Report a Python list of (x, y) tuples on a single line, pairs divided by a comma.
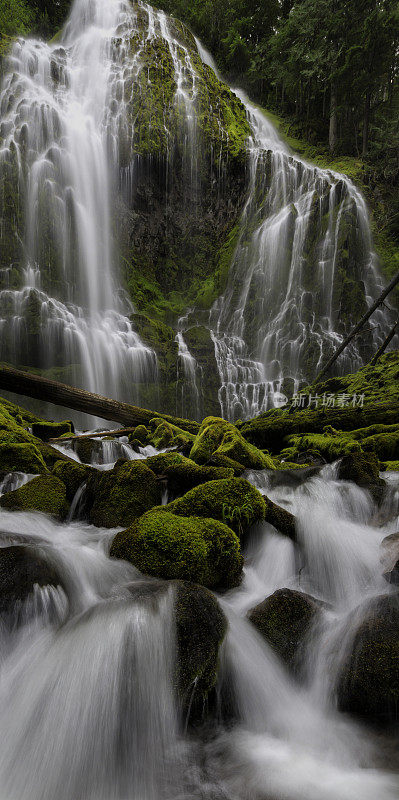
[(62, 119)]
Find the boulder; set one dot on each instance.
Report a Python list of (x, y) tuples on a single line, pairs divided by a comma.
[(164, 545), (22, 457), (363, 469), (218, 436), (369, 682), (284, 619), (21, 568), (119, 496), (73, 475), (183, 474), (282, 520), (233, 501), (52, 430), (45, 493)]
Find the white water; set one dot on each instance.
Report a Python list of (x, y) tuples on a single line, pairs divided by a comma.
[(86, 691)]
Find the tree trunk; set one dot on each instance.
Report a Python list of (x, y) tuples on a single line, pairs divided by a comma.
[(14, 380), (332, 139), (366, 124)]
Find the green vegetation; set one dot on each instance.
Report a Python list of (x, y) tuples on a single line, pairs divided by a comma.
[(217, 437), (118, 496), (169, 546), (45, 493)]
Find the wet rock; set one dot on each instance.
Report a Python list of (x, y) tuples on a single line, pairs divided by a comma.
[(73, 475), (45, 493), (167, 546), (363, 469), (282, 520), (369, 681), (233, 501), (21, 457), (216, 436), (87, 449), (21, 568), (52, 430), (119, 496), (390, 558), (284, 619), (183, 474)]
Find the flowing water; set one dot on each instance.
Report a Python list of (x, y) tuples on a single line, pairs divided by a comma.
[(87, 705)]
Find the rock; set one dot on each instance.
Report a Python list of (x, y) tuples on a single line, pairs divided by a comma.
[(52, 430), (390, 558), (220, 460), (164, 545), (141, 434), (72, 475), (200, 630), (363, 469), (21, 458), (369, 681), (87, 449), (21, 568), (216, 436), (183, 474), (233, 501), (119, 496), (284, 619), (45, 493)]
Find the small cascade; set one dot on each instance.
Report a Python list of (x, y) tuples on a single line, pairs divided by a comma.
[(188, 387)]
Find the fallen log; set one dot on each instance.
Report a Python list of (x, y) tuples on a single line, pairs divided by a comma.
[(29, 385), (95, 435)]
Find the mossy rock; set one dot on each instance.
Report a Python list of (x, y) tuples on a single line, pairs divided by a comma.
[(52, 430), (284, 619), (183, 474), (363, 469), (328, 447), (390, 558), (120, 495), (165, 434), (390, 466), (220, 460), (21, 458), (21, 569), (45, 493), (216, 436), (87, 449), (73, 475), (369, 682), (233, 501), (200, 629), (141, 433), (168, 546)]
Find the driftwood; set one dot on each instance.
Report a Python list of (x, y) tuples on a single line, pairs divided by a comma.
[(25, 383), (359, 326), (385, 343), (114, 433)]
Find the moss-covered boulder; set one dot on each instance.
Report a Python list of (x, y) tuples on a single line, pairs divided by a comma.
[(87, 449), (140, 434), (216, 436), (200, 630), (45, 493), (369, 682), (73, 475), (284, 619), (168, 546), (21, 569), (233, 501), (52, 430), (220, 460), (183, 474), (118, 496), (330, 448), (21, 458), (363, 469)]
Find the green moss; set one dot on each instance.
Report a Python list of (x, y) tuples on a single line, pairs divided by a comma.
[(233, 501), (363, 469), (183, 474), (120, 495), (220, 460), (168, 546), (329, 447), (21, 458), (51, 430), (45, 493), (390, 466), (216, 436), (141, 433), (73, 475)]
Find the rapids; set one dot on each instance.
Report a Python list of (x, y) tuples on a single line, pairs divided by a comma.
[(87, 705)]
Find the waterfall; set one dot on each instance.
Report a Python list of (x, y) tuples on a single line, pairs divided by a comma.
[(62, 119)]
